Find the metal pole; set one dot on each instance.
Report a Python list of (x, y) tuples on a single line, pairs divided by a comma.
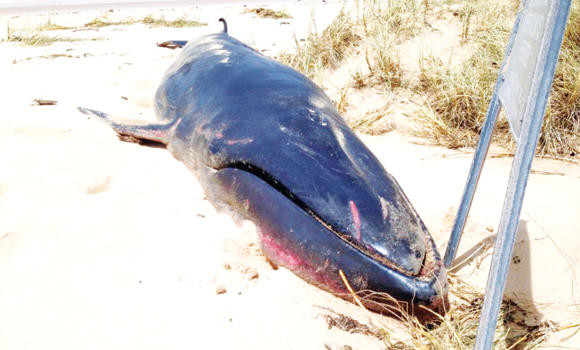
[(478, 159), (472, 180), (524, 156)]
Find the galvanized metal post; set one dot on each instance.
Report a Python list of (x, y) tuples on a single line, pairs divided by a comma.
[(478, 158), (533, 116), (473, 179), (522, 89)]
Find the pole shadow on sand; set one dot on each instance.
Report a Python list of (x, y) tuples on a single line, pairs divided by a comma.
[(519, 282)]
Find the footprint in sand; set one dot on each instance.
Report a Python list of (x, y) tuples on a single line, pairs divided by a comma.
[(99, 186)]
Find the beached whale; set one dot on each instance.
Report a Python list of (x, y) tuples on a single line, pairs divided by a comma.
[(264, 141)]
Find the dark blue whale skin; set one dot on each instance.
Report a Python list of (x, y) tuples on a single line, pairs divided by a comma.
[(265, 142)]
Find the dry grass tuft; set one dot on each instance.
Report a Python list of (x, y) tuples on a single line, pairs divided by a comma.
[(378, 25), (458, 98), (38, 39), (386, 24), (434, 127), (456, 101), (457, 329), (561, 130), (325, 50), (383, 24), (377, 121), (180, 22), (268, 13), (402, 19), (383, 63), (342, 103), (51, 26), (518, 325), (100, 22)]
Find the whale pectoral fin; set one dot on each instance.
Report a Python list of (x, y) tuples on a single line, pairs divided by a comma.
[(150, 134), (173, 44)]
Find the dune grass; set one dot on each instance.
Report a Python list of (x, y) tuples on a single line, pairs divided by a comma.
[(325, 50), (181, 22), (453, 99), (268, 13), (402, 19), (561, 130), (100, 22), (458, 100), (34, 38), (328, 49), (383, 63), (37, 37), (49, 26)]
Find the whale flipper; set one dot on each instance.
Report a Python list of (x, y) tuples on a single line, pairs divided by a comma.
[(142, 134)]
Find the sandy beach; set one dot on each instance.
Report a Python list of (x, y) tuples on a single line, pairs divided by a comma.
[(107, 244)]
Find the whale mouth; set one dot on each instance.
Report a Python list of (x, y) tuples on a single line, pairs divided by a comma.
[(295, 236), (285, 191)]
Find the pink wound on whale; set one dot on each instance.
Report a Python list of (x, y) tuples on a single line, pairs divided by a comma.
[(279, 253), (355, 219)]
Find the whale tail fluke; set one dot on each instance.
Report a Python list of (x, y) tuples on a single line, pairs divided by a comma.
[(149, 134)]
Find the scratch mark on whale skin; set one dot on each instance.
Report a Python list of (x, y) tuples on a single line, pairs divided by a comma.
[(355, 220)]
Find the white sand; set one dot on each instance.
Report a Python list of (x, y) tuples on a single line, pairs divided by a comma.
[(105, 244)]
